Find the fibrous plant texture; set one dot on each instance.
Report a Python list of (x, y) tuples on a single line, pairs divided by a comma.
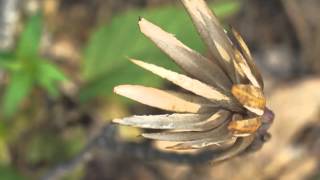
[(223, 106)]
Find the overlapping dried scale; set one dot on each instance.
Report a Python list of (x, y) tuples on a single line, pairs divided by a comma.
[(250, 97)]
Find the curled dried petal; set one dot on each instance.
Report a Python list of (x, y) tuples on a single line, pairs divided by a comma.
[(244, 127), (250, 97)]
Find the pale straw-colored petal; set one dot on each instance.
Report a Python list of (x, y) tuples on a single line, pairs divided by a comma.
[(189, 60), (192, 85), (212, 34), (180, 122), (166, 100)]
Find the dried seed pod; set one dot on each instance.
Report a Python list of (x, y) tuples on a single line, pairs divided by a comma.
[(225, 105)]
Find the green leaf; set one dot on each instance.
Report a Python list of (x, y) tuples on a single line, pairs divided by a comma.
[(8, 62), (28, 45), (10, 173), (226, 8), (19, 87), (48, 76), (105, 62)]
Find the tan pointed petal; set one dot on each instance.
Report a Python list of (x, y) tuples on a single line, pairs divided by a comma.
[(239, 146), (190, 84), (246, 52), (220, 131), (212, 34), (250, 97), (241, 78), (165, 100), (241, 43), (244, 127), (191, 61), (179, 122), (246, 68)]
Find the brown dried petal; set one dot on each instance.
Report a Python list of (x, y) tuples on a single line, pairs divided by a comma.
[(212, 34)]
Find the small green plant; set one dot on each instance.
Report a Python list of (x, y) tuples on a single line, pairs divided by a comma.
[(27, 69)]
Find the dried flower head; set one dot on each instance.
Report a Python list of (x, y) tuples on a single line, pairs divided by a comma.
[(225, 106)]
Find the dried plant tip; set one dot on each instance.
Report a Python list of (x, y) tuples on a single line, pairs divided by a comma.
[(250, 97), (222, 90)]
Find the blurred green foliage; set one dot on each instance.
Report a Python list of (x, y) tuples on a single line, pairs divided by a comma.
[(105, 63), (54, 148), (27, 69), (9, 174)]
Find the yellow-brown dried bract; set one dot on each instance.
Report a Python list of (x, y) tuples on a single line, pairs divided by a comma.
[(244, 127), (250, 97)]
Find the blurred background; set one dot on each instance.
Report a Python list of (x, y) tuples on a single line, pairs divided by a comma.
[(60, 59)]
